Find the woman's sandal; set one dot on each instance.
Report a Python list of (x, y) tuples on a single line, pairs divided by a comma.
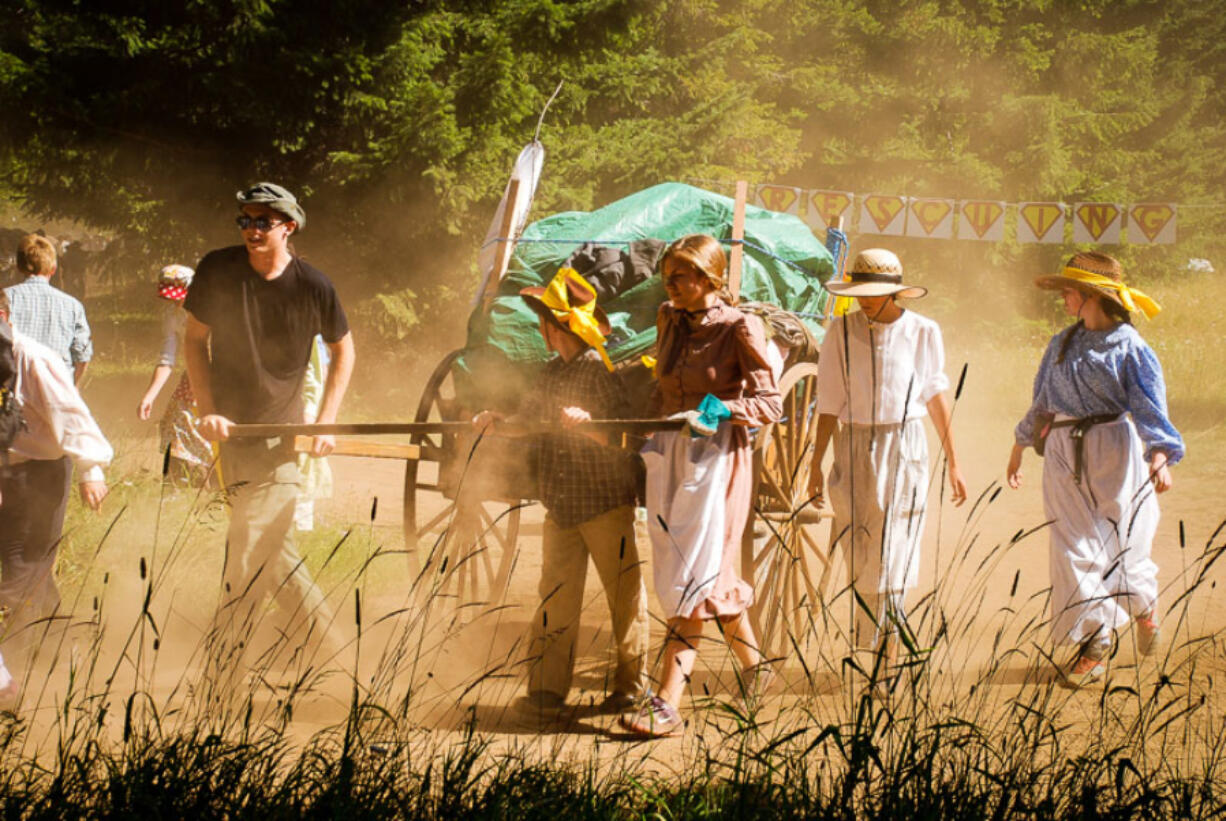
[(655, 719)]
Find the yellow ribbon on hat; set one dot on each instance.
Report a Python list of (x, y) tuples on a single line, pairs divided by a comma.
[(580, 319), (1131, 298)]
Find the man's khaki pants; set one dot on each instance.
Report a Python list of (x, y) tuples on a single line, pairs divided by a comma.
[(263, 481), (609, 540)]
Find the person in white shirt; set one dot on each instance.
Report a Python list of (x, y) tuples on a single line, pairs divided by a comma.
[(882, 371), (34, 488)]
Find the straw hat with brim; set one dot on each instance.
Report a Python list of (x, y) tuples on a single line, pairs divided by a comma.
[(1099, 275), (876, 272), (577, 297)]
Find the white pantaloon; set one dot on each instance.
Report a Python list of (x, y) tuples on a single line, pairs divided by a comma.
[(878, 488), (1101, 532)]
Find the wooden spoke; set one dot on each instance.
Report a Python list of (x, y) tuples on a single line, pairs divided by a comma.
[(479, 540), (779, 562), (429, 526)]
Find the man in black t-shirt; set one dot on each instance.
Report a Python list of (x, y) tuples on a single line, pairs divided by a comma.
[(253, 313)]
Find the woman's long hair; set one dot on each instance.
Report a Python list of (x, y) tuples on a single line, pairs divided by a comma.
[(706, 254)]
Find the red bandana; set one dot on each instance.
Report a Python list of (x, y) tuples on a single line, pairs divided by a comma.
[(175, 293)]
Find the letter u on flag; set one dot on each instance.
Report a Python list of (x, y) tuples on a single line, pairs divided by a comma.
[(981, 220)]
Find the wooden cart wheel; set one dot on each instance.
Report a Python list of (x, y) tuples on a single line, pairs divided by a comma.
[(465, 541), (783, 537)]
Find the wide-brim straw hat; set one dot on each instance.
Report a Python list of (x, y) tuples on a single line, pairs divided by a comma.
[(576, 296), (876, 272), (1101, 265)]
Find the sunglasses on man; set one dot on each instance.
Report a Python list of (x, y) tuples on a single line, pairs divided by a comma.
[(258, 223)]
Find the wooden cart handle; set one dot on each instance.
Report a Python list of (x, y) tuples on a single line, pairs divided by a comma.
[(455, 428)]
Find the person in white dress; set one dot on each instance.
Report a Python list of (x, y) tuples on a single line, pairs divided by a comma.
[(882, 371)]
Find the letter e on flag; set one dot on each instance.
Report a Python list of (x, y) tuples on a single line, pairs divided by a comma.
[(1152, 223), (882, 214), (982, 220), (1097, 222), (1040, 222), (823, 208), (782, 198)]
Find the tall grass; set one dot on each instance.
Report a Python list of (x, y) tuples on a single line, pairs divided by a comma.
[(124, 713)]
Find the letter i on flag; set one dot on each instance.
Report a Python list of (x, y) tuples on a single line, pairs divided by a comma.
[(1040, 222), (1151, 223), (982, 220), (1097, 222), (782, 198)]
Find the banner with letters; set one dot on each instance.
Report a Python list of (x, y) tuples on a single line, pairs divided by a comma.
[(982, 220)]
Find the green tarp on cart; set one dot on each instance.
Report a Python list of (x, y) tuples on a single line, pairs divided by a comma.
[(784, 264)]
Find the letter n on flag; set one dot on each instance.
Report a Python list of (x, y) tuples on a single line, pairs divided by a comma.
[(981, 220), (1097, 222), (1151, 223), (782, 198), (1040, 222), (823, 208), (883, 214), (930, 217)]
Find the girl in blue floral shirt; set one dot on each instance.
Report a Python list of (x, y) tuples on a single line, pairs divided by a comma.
[(1099, 417)]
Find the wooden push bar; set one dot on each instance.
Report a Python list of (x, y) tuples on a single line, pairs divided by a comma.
[(359, 447), (423, 428)]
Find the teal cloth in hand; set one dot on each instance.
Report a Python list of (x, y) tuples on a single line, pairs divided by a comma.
[(711, 411)]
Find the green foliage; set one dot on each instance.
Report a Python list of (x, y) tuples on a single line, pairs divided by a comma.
[(398, 122)]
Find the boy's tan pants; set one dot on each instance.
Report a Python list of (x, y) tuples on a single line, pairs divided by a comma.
[(608, 539)]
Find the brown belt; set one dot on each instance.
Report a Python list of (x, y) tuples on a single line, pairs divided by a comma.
[(1078, 435)]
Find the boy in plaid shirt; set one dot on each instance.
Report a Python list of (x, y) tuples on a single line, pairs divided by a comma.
[(588, 490)]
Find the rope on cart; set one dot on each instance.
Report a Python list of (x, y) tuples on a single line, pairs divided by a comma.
[(626, 242)]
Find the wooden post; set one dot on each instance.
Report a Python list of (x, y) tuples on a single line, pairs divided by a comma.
[(735, 258), (502, 259)]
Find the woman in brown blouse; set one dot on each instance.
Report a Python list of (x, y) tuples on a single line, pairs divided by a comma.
[(700, 480)]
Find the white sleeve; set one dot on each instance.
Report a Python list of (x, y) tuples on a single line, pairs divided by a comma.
[(831, 362), (930, 364), (49, 392)]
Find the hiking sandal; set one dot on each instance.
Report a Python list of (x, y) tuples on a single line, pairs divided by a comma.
[(655, 719), (1083, 672)]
